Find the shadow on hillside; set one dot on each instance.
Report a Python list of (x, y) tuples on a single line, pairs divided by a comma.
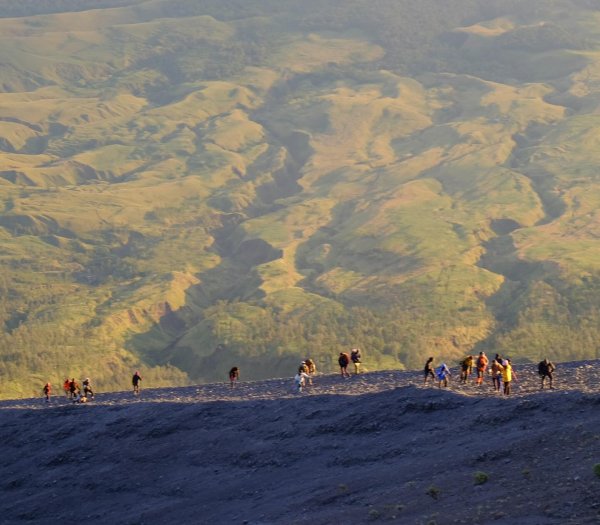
[(233, 279)]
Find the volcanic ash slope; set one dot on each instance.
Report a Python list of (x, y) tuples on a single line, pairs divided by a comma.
[(377, 447)]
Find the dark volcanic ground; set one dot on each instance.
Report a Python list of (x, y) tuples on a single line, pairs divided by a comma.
[(374, 448)]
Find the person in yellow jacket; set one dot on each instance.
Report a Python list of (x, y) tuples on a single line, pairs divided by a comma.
[(508, 374)]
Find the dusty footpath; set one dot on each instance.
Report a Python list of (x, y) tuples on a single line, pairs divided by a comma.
[(378, 447)]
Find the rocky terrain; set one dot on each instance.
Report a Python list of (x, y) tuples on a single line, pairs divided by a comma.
[(379, 447)]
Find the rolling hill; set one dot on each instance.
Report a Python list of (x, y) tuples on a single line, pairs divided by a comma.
[(187, 185)]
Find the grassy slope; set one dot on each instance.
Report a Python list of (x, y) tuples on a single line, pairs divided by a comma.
[(179, 189)]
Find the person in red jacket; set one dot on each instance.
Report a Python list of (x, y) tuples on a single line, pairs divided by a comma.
[(67, 387)]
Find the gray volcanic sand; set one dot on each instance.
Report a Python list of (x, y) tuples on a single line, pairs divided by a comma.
[(378, 447)]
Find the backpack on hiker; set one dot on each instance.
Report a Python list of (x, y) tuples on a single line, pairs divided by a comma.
[(344, 359), (542, 369), (545, 367)]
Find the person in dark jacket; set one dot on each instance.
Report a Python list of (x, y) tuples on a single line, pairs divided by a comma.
[(546, 369), (343, 361), (47, 391), (87, 388), (234, 375), (356, 359), (135, 381), (428, 371)]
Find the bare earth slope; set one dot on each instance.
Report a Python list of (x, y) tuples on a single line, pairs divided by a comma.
[(378, 447)]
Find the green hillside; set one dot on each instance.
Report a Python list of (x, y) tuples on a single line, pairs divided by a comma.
[(187, 185)]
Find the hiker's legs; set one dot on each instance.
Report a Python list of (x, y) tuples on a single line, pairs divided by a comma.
[(428, 374), (356, 368)]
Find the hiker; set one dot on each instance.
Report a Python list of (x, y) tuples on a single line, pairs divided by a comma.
[(496, 374), (79, 398), (482, 363), (428, 370), (442, 374), (466, 368), (312, 368), (66, 387), (234, 375), (135, 381), (47, 391), (300, 380), (508, 374), (73, 387), (343, 361), (87, 388), (356, 357), (305, 369), (545, 369)]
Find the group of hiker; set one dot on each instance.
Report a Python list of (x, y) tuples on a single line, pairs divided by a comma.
[(83, 393), (501, 371), (308, 369), (73, 390), (344, 360)]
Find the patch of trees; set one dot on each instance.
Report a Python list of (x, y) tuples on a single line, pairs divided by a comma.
[(539, 38)]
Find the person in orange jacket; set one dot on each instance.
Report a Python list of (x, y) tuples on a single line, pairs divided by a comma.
[(67, 387), (482, 363), (344, 361)]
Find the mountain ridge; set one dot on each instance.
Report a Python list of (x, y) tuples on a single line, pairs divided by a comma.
[(375, 447)]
